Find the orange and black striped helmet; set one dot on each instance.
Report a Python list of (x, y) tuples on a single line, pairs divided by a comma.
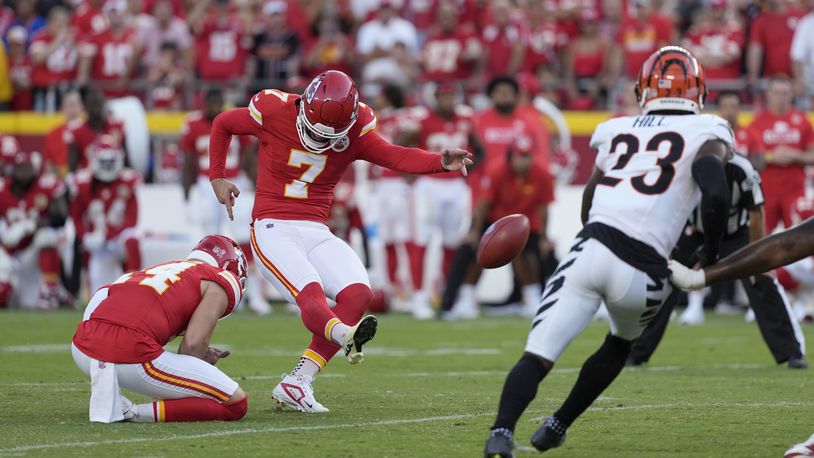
[(671, 80)]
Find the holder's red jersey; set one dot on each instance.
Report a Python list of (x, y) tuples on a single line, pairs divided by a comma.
[(83, 136), (113, 205), (437, 133), (146, 309), (769, 131), (292, 182), (195, 144), (32, 206), (59, 66)]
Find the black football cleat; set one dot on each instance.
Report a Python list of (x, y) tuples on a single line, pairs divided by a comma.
[(499, 445), (546, 437), (798, 363)]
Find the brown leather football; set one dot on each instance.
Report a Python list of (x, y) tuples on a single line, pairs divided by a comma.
[(503, 241)]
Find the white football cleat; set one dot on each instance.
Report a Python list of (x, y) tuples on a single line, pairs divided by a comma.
[(420, 307), (357, 336), (692, 317), (128, 409), (803, 449), (295, 392)]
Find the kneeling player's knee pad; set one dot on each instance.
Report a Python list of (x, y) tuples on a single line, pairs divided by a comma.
[(237, 410)]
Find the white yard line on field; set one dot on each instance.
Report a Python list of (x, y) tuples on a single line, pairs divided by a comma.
[(234, 432), (679, 405)]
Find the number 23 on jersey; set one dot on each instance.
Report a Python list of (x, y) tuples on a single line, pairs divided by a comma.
[(675, 149)]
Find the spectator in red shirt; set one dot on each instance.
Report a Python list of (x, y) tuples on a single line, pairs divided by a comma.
[(331, 50), (109, 58), (56, 141), (717, 41), (98, 123), (223, 40), (451, 50), (783, 145), (769, 51), (166, 79), (53, 60), (19, 67), (504, 41), (518, 185), (89, 18), (585, 64), (642, 32), (545, 38), (729, 108)]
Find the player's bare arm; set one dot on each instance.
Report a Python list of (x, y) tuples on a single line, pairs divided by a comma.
[(588, 194), (708, 172), (199, 330), (765, 254)]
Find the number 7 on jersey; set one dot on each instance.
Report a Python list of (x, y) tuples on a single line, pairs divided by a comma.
[(313, 163)]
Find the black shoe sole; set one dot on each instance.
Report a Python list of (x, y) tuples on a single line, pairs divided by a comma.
[(365, 332)]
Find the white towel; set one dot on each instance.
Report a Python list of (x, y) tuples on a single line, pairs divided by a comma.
[(105, 395)]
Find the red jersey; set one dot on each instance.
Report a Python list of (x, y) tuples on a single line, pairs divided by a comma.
[(89, 20), (30, 207), (768, 131), (112, 205), (20, 73), (110, 54), (508, 193), (437, 133), (639, 39), (195, 144), (449, 56), (774, 32), (293, 183), (498, 131), (146, 309), (543, 42), (221, 49), (83, 136), (743, 141), (59, 65), (499, 43), (389, 124), (55, 151), (718, 41)]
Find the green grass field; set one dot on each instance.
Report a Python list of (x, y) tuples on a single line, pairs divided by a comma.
[(426, 389)]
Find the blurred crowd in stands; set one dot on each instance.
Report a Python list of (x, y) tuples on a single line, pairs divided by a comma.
[(577, 53)]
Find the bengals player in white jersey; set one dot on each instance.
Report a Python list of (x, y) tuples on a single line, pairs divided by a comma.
[(651, 172), (306, 144)]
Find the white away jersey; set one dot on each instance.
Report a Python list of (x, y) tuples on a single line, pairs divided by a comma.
[(648, 191)]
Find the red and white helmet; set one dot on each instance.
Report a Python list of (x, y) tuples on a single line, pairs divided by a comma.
[(671, 80), (328, 110), (106, 158), (224, 253)]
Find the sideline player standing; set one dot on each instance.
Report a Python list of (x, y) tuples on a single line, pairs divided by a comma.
[(120, 341), (306, 144), (651, 172)]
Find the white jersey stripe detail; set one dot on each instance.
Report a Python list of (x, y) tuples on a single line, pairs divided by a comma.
[(256, 115)]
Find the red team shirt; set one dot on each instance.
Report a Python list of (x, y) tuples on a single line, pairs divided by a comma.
[(195, 144), (774, 32), (110, 53), (32, 206), (59, 66), (146, 309), (437, 133), (769, 131), (115, 203), (83, 136), (499, 42), (497, 132), (508, 193), (222, 49), (444, 55), (293, 183), (717, 39), (55, 150), (89, 20), (388, 126), (640, 39)]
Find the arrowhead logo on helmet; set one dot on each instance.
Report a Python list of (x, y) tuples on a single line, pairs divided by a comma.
[(327, 111)]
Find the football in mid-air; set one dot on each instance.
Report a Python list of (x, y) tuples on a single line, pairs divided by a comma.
[(503, 241)]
